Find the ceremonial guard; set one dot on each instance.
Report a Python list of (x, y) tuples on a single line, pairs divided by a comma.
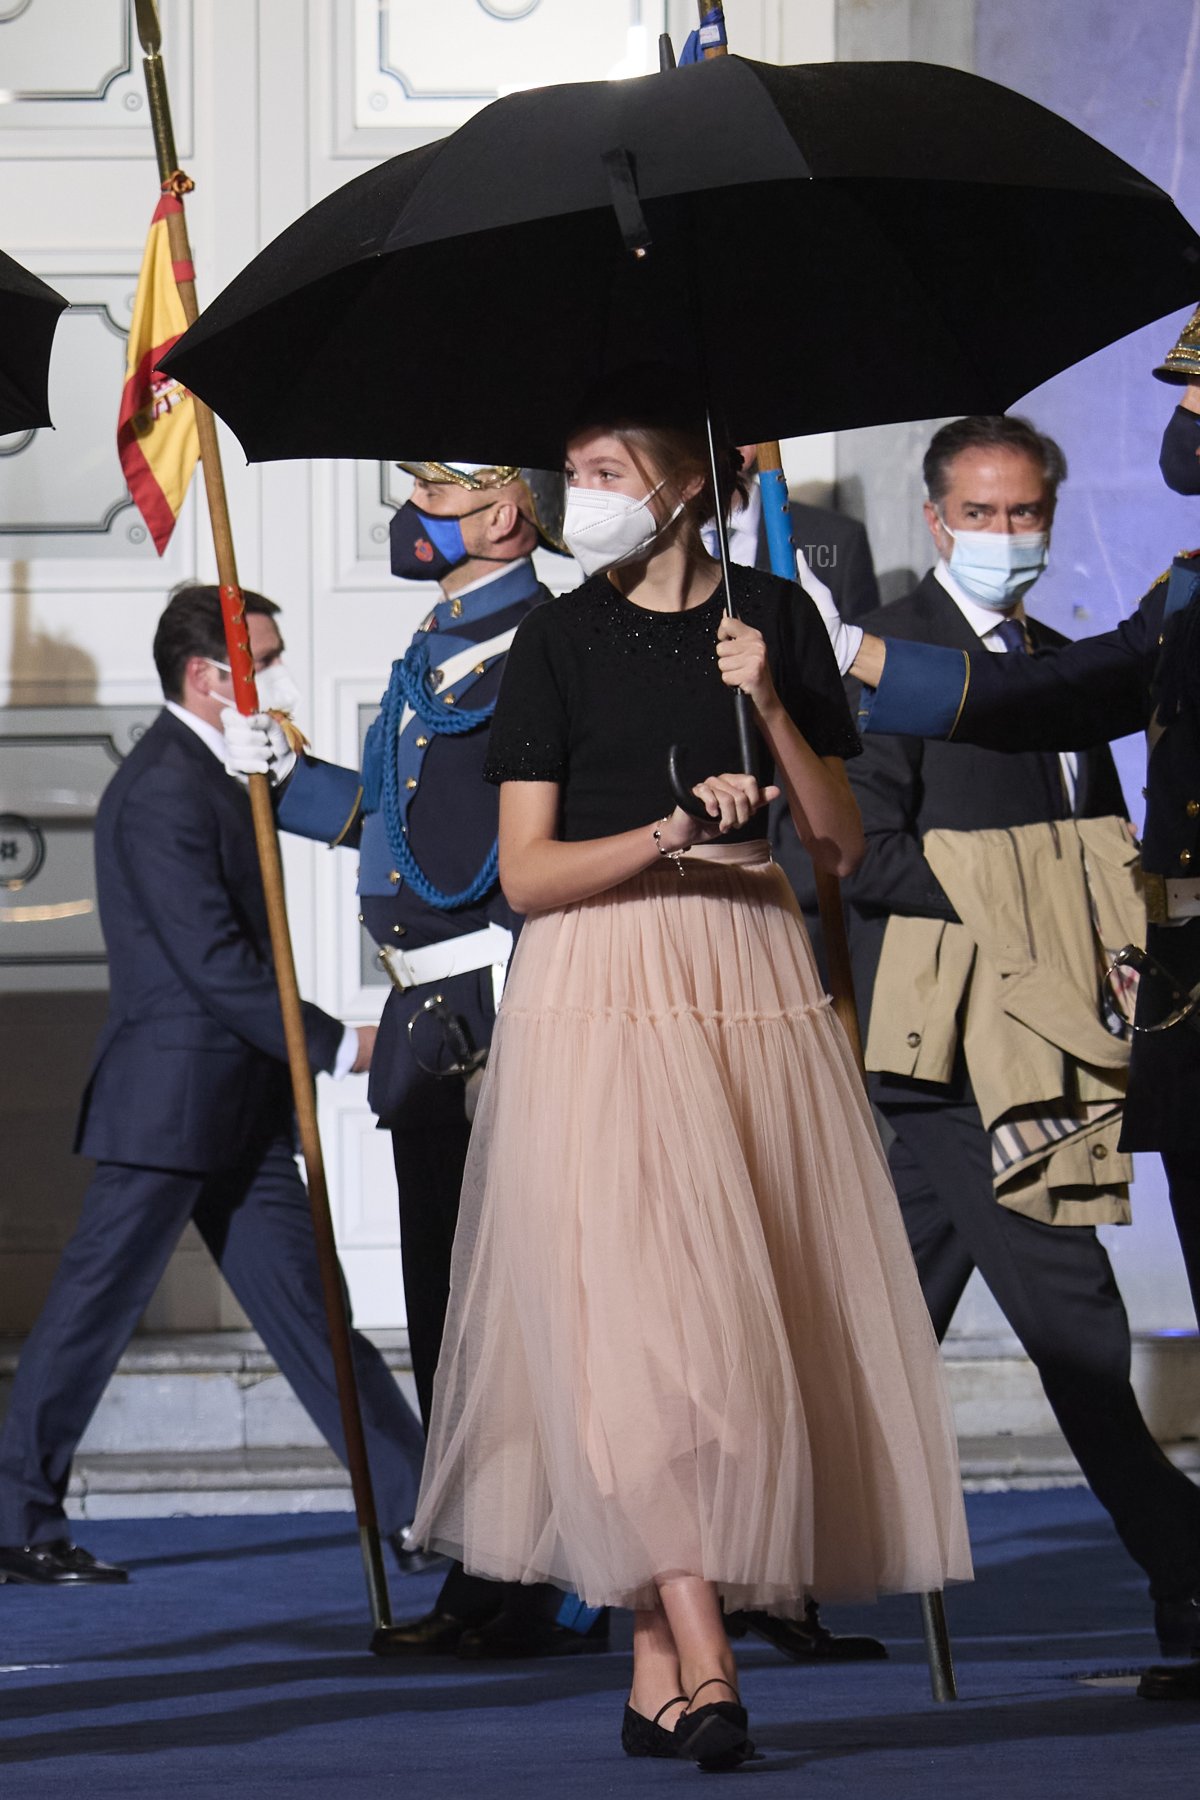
[(424, 823)]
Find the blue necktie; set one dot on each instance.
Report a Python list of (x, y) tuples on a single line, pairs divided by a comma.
[(1011, 633)]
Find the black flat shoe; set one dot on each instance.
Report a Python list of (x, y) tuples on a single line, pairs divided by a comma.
[(1177, 1623), (1178, 1682), (806, 1640), (509, 1638), (646, 1737), (715, 1737), (433, 1634), (58, 1564)]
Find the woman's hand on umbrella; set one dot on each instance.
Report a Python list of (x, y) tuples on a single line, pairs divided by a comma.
[(731, 800), (742, 659)]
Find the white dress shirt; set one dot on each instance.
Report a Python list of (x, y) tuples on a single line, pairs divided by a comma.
[(743, 530), (984, 621)]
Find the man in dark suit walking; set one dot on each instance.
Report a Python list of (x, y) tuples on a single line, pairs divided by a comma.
[(188, 1111), (991, 486)]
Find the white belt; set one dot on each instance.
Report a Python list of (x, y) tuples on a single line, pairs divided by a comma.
[(1171, 899), (1183, 897), (490, 948)]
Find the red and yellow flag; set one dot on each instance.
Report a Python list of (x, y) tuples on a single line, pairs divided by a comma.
[(156, 429)]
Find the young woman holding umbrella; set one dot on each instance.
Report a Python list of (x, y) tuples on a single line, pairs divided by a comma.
[(687, 1359)]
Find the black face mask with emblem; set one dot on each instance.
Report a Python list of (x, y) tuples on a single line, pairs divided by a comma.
[(1178, 459), (426, 547)]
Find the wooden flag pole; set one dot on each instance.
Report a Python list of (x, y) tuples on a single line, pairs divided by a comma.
[(833, 925), (241, 662)]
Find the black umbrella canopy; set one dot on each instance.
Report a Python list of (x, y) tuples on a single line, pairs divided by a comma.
[(29, 311), (929, 243)]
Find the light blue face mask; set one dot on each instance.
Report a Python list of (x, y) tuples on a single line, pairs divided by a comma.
[(997, 567)]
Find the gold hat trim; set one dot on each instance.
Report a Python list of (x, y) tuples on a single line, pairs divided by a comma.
[(1182, 361), (475, 480)]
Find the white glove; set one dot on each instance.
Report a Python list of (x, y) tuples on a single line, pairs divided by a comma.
[(256, 744), (845, 639)]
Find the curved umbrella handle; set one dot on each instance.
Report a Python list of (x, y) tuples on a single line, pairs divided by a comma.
[(684, 797)]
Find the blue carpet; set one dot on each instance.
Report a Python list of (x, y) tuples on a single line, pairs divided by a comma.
[(234, 1664)]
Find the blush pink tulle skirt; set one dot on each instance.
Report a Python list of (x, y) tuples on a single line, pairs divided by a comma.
[(685, 1333)]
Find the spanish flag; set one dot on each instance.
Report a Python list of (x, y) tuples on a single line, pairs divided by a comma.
[(156, 429)]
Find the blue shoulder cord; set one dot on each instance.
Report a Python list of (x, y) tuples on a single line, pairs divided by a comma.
[(409, 686)]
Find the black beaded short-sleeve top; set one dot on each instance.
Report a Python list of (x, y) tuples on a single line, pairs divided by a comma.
[(596, 690)]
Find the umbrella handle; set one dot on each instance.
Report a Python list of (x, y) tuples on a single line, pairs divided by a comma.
[(684, 797), (677, 755)]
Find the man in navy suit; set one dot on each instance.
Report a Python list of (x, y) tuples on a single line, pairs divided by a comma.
[(1065, 698), (188, 1112)]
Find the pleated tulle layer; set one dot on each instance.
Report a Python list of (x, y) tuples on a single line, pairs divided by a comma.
[(685, 1332)]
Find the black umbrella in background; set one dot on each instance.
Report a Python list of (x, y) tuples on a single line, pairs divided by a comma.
[(944, 246), (29, 312)]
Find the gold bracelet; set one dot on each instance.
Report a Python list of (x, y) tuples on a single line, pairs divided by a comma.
[(675, 856)]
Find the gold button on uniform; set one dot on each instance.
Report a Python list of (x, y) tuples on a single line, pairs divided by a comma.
[(1185, 859), (913, 1039), (394, 877), (1099, 1151), (1192, 809), (479, 668), (399, 930), (456, 609), (421, 743), (448, 700), (411, 782)]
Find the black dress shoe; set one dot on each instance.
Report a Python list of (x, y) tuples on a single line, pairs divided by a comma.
[(646, 1737), (1177, 1623), (806, 1639), (508, 1637), (58, 1564), (433, 1634), (1180, 1681), (410, 1558)]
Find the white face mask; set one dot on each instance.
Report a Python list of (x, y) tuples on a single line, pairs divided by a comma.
[(277, 692), (603, 529), (996, 567)]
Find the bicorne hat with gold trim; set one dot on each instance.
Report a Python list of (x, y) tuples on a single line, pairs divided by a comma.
[(545, 490), (1182, 362)]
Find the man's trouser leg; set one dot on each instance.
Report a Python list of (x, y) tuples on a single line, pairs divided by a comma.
[(1183, 1180), (429, 1174), (1055, 1285), (130, 1223), (258, 1227)]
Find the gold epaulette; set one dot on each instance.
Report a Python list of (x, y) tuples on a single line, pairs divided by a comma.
[(1166, 574)]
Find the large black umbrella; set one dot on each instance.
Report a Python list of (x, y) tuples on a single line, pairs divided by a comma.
[(939, 243), (28, 314)]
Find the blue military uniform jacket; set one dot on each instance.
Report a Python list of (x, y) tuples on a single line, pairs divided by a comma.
[(1072, 698), (424, 822)]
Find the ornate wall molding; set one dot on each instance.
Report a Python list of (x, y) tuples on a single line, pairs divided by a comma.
[(64, 495), (55, 763), (73, 78), (407, 72)]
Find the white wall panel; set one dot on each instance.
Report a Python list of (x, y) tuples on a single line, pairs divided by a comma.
[(72, 74), (411, 71)]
